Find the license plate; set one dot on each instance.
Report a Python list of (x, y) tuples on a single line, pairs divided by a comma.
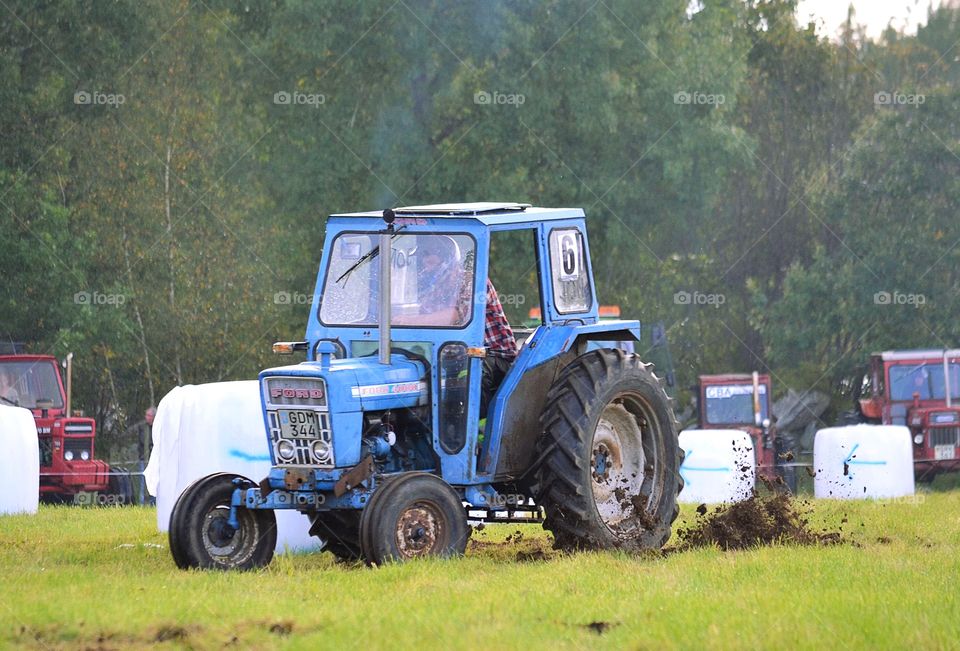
[(299, 423), (944, 452)]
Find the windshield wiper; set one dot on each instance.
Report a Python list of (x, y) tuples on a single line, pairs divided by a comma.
[(9, 401), (372, 253)]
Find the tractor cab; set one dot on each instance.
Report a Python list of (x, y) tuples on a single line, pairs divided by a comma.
[(385, 413), (919, 389), (740, 401)]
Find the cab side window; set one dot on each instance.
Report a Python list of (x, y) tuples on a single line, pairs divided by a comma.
[(569, 275)]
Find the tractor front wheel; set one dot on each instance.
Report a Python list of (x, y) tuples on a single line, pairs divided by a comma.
[(202, 536), (609, 457), (413, 515)]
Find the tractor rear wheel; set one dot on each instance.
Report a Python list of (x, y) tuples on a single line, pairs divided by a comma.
[(201, 535), (340, 531), (413, 515), (608, 458)]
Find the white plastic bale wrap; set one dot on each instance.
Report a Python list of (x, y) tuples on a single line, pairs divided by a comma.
[(719, 466), (20, 461), (207, 428), (863, 461)]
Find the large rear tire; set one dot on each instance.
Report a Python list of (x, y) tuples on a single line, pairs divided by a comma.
[(413, 515), (608, 458), (201, 536)]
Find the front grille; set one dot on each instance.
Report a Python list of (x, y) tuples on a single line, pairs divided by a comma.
[(944, 436), (77, 446), (46, 450), (309, 451)]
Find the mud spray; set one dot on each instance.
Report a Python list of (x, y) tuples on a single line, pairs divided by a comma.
[(773, 518)]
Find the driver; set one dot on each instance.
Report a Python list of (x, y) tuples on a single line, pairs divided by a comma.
[(7, 389), (444, 298)]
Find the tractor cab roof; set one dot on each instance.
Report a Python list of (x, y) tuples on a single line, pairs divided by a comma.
[(908, 355), (487, 213), (732, 377)]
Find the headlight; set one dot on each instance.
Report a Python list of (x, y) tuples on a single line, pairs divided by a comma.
[(918, 439), (68, 455), (85, 455), (286, 450), (321, 451)]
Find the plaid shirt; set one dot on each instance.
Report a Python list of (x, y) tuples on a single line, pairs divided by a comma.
[(497, 335)]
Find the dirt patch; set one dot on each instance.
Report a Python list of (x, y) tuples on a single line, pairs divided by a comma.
[(171, 633), (528, 550), (282, 629), (599, 627), (527, 556), (758, 520), (515, 537)]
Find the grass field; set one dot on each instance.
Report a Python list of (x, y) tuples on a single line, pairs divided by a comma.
[(103, 578)]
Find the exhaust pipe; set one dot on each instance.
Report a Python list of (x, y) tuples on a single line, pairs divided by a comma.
[(386, 236), (69, 360), (946, 376), (757, 414)]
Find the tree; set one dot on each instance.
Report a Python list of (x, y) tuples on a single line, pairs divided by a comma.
[(893, 283)]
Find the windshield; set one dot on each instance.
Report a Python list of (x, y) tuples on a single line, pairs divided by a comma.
[(925, 379), (23, 383), (732, 404), (431, 281)]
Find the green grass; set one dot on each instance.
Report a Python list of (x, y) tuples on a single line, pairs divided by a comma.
[(103, 578)]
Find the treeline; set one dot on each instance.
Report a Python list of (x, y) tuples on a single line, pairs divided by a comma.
[(781, 201)]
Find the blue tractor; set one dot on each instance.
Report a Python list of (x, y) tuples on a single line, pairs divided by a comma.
[(378, 437)]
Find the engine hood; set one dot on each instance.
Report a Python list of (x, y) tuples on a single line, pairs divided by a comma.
[(364, 384)]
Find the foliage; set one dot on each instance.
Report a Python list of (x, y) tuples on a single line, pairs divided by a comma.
[(719, 148)]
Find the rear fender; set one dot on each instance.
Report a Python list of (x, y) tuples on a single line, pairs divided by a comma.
[(513, 421)]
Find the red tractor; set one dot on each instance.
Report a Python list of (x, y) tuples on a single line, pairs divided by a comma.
[(742, 401), (917, 389), (67, 466)]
